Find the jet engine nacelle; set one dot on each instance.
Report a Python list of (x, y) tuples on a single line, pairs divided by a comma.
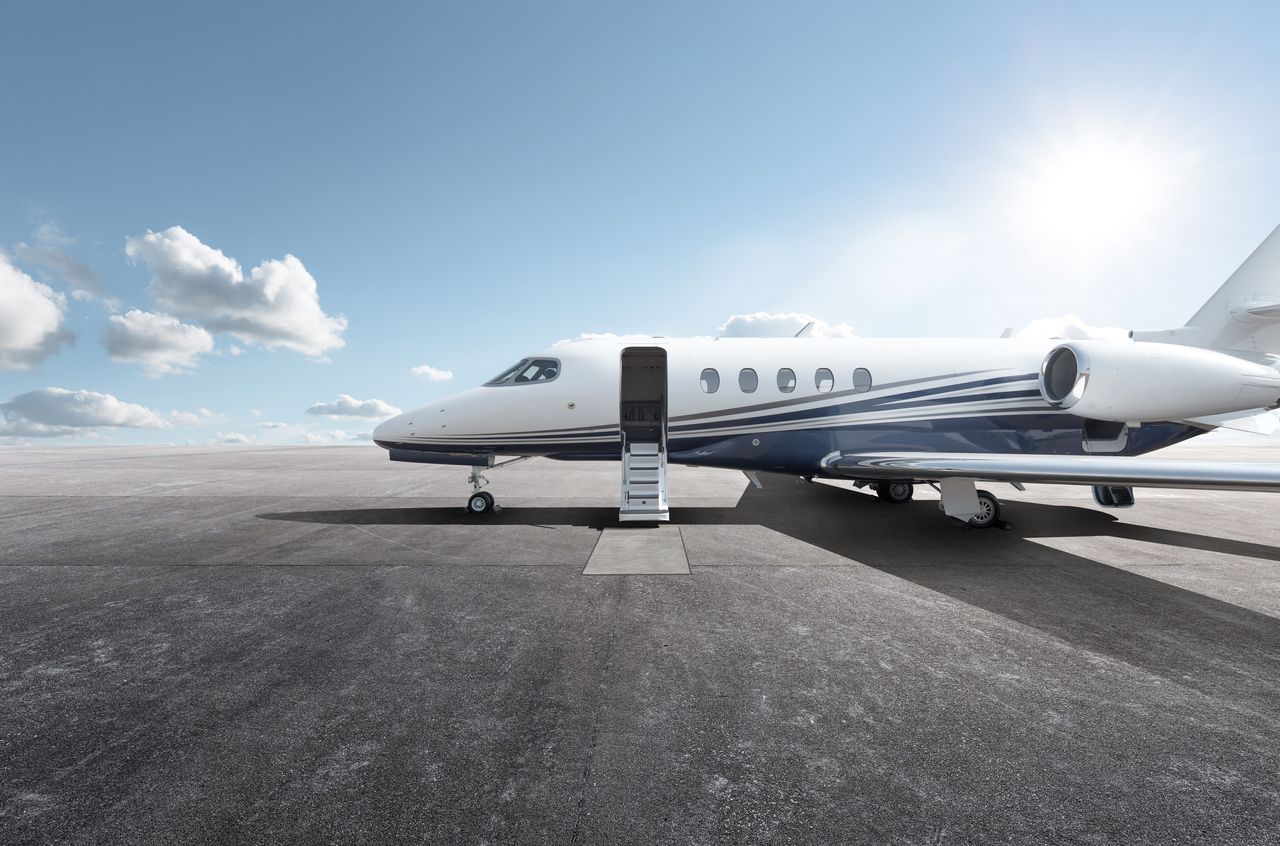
[(1138, 381)]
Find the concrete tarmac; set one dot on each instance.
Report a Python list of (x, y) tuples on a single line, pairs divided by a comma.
[(314, 645)]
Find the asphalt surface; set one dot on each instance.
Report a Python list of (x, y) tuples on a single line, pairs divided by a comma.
[(313, 645)]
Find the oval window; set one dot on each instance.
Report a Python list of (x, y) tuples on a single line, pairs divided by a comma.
[(861, 380), (748, 381), (786, 380), (824, 380), (710, 381)]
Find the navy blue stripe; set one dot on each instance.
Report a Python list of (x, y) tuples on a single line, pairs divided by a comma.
[(970, 398)]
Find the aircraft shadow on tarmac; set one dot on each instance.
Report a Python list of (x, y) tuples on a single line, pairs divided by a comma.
[(1197, 640)]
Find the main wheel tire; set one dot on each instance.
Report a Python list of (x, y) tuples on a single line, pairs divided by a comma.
[(988, 511), (895, 492), (480, 502)]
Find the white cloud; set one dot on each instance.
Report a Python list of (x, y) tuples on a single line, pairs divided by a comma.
[(764, 325), (333, 436), (276, 305), (194, 418), (231, 438), (603, 336), (272, 425), (326, 436), (256, 412), (49, 251), (49, 412), (160, 343), (348, 406), (433, 374), (30, 319), (1070, 326)]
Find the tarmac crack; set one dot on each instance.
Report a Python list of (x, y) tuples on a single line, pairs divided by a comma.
[(603, 688)]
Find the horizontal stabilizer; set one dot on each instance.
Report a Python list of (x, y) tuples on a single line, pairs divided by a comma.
[(1061, 470), (1256, 311)]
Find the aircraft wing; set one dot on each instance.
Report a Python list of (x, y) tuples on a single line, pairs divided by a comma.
[(1060, 470)]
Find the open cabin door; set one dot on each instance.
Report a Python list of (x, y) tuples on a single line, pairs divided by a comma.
[(643, 420)]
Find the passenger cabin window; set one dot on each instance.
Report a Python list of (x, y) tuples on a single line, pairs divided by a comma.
[(528, 370), (786, 380), (824, 380), (710, 381), (861, 380), (748, 381)]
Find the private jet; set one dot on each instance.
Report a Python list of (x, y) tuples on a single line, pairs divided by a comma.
[(888, 414)]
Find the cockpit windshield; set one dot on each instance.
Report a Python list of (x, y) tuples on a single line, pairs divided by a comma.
[(527, 370)]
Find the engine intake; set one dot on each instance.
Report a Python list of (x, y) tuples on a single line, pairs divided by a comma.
[(1138, 381)]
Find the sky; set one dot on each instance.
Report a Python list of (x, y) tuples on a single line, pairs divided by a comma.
[(279, 222)]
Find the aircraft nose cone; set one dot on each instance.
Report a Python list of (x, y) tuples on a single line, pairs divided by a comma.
[(389, 431)]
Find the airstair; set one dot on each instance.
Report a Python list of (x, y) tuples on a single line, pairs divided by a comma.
[(642, 418), (644, 483)]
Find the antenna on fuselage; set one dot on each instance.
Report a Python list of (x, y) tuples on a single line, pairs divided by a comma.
[(805, 329)]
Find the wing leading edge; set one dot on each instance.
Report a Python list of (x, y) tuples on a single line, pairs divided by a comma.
[(1060, 470)]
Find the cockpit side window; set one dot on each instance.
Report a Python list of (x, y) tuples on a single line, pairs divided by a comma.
[(510, 373), (528, 370)]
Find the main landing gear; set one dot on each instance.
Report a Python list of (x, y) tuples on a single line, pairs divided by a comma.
[(961, 500), (897, 492), (988, 512), (968, 506)]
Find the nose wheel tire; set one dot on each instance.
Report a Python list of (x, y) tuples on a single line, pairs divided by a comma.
[(895, 492), (480, 503), (988, 511)]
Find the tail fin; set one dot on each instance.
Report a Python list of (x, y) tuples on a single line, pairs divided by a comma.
[(1243, 317)]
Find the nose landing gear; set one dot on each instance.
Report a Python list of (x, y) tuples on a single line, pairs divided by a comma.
[(480, 502)]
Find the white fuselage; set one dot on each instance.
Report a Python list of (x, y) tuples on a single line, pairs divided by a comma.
[(928, 394)]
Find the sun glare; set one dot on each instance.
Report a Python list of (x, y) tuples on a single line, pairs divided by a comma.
[(1092, 194)]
